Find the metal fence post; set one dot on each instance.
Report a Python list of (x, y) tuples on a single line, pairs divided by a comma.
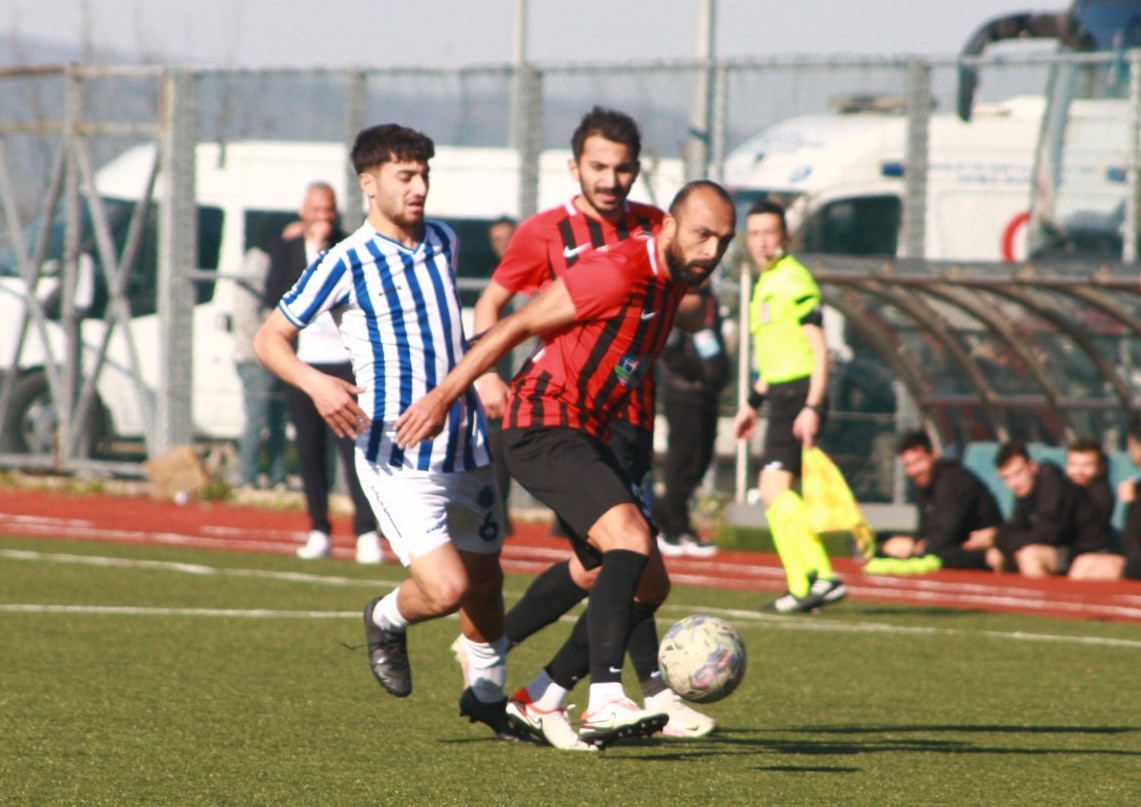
[(356, 104), (915, 174), (527, 136), (1133, 155), (177, 258), (65, 397), (719, 124)]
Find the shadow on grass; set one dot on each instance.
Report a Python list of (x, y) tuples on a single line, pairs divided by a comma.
[(832, 744), (887, 610)]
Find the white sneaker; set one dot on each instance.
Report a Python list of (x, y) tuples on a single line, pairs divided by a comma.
[(685, 721), (697, 547), (670, 548), (368, 549), (319, 545), (617, 719), (553, 727)]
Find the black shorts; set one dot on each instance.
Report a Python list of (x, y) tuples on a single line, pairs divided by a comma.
[(573, 473), (783, 450), (633, 447)]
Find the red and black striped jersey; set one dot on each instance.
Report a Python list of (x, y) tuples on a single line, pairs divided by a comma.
[(552, 241), (584, 375)]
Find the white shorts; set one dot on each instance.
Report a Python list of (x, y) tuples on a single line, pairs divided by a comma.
[(418, 511)]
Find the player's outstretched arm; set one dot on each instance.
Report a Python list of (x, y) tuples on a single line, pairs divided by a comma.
[(333, 397), (424, 418)]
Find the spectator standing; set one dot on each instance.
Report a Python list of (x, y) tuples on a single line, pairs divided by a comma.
[(319, 345), (263, 394), (499, 234), (694, 371)]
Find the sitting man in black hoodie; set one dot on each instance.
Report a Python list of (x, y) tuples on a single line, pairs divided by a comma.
[(1052, 516), (958, 515)]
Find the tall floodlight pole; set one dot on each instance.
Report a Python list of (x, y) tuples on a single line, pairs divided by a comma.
[(700, 122)]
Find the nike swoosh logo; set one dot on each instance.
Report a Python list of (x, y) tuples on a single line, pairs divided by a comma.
[(569, 253), (649, 314), (615, 670)]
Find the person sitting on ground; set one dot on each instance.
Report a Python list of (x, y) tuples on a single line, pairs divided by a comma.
[(958, 516), (1088, 467), (1051, 515), (1129, 493)]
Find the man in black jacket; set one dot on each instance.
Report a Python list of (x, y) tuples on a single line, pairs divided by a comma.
[(320, 346), (694, 371), (958, 515), (1051, 515)]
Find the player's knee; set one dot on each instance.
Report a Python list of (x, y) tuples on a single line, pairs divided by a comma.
[(584, 578), (446, 593), (1033, 562)]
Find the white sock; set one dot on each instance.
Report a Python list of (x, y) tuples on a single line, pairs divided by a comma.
[(545, 693), (601, 693), (386, 615), (487, 668)]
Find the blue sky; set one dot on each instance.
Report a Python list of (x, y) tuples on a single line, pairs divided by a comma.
[(448, 33)]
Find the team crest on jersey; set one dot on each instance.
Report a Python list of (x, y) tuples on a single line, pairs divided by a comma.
[(629, 370)]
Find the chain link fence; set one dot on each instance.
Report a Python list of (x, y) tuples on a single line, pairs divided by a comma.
[(130, 195)]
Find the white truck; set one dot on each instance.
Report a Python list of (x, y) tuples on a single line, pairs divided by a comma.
[(247, 191), (841, 178)]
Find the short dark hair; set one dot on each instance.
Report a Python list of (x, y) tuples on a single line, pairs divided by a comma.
[(772, 208), (1086, 445), (1010, 450), (688, 190), (615, 126), (909, 441), (390, 142), (501, 221)]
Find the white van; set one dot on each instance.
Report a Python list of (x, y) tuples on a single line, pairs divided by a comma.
[(841, 178), (247, 191)]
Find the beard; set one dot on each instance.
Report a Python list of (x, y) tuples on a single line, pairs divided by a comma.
[(691, 273)]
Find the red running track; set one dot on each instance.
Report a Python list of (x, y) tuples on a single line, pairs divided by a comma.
[(231, 527)]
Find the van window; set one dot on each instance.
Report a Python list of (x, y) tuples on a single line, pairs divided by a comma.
[(142, 282), (866, 226)]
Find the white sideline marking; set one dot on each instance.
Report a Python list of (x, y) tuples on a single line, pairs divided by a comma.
[(807, 623)]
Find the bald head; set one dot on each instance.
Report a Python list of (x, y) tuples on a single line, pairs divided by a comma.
[(697, 231)]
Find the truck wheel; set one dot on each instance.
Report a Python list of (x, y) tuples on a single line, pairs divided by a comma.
[(31, 424)]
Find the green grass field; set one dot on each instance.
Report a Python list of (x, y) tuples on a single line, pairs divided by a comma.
[(143, 675)]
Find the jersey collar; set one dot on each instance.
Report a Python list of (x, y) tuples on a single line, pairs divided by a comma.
[(652, 252)]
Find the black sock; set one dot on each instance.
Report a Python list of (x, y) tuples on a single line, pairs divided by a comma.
[(549, 596), (572, 661), (643, 648), (611, 604)]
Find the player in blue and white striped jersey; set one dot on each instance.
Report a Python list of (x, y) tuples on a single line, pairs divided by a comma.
[(391, 289), (399, 316)]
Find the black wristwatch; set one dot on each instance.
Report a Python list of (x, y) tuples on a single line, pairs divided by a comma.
[(756, 399), (819, 409)]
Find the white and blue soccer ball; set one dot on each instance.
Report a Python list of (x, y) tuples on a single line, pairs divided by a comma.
[(702, 658)]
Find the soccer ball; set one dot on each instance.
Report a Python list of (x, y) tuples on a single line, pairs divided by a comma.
[(702, 658)]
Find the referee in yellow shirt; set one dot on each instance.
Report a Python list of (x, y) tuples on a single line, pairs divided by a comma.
[(792, 361)]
